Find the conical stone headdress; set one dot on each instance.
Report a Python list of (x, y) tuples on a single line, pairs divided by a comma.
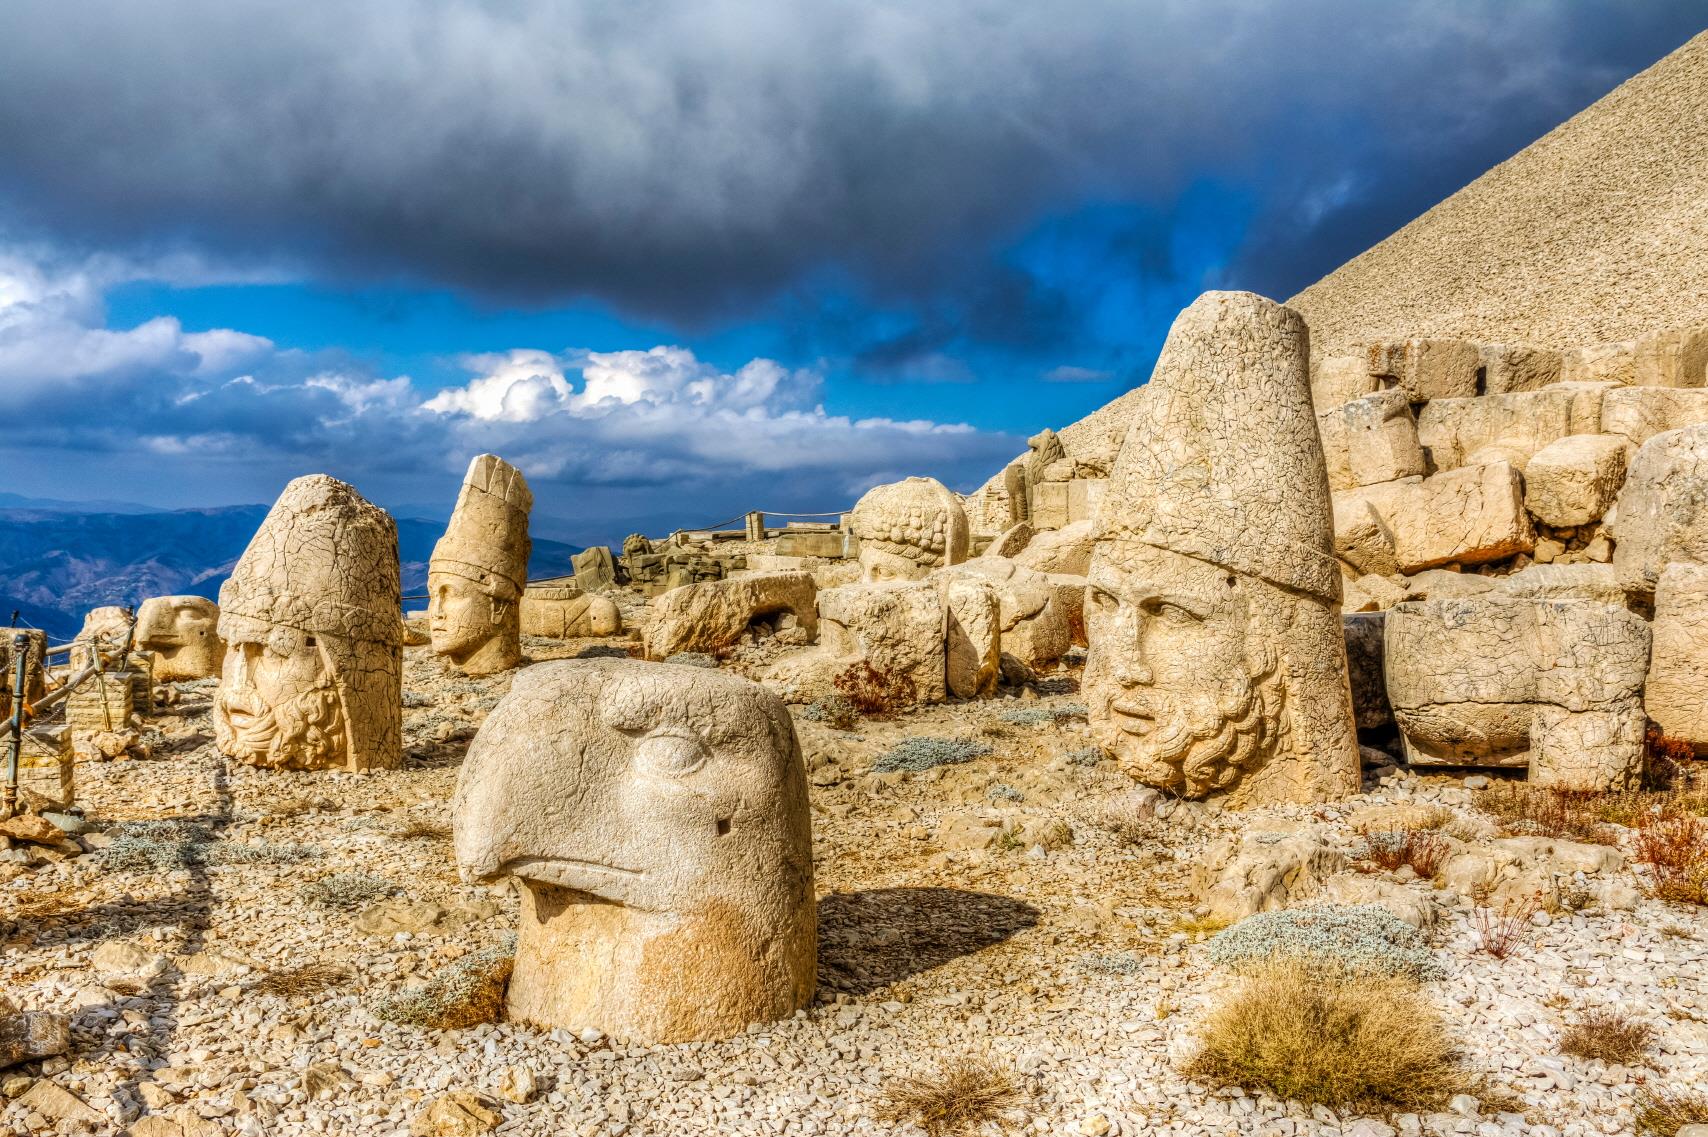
[(487, 540), (1223, 461)]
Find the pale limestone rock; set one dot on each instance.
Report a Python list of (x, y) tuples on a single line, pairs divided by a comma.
[(1364, 633), (908, 528), (1403, 903), (595, 569), (1573, 480), (1614, 362), (1427, 369), (898, 628), (1070, 600), (564, 611), (456, 1114), (107, 629), (1515, 367), (1516, 870), (1502, 680), (1640, 413), (313, 675), (1662, 511), (1381, 439), (1564, 582), (1340, 379), (56, 1103), (182, 632), (1064, 550), (1676, 695), (1445, 584), (717, 613), (28, 1035), (973, 647), (1011, 542), (1372, 593), (1261, 872), (1471, 515), (1676, 357), (1460, 432), (1035, 622), (658, 819), (479, 568), (1217, 659)]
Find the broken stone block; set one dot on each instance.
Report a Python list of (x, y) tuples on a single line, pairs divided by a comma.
[(28, 1035), (1564, 582), (595, 569), (716, 614), (1572, 481), (1515, 367), (1085, 497), (1381, 439), (455, 1114), (1339, 379), (56, 1103), (1361, 538), (1337, 456), (973, 646), (1262, 872), (1614, 362), (1676, 357), (822, 543), (1466, 516), (1035, 631), (1475, 681), (1515, 425), (1676, 695), (1640, 413), (564, 611), (1661, 515), (1065, 550), (1427, 368), (898, 628)]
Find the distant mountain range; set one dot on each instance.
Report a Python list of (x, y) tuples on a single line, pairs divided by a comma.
[(60, 559)]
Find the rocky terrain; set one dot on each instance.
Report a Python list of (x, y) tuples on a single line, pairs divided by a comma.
[(226, 938)]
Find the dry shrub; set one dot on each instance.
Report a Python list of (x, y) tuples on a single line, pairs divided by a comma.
[(465, 993), (305, 979), (1665, 1113), (1424, 850), (1672, 847), (424, 830), (875, 694), (1529, 810), (1501, 933), (961, 1095), (1610, 1036), (1307, 1033), (1666, 758)]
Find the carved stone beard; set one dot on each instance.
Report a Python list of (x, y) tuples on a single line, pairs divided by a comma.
[(304, 733), (1202, 746)]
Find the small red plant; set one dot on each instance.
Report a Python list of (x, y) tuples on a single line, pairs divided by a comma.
[(1424, 850), (1501, 933)]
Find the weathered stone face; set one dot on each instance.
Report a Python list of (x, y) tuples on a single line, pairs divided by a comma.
[(1217, 659), (658, 816), (908, 528), (479, 569), (183, 634), (310, 617), (1175, 694)]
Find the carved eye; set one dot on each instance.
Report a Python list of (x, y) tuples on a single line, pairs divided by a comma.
[(672, 752), (1101, 600), (1170, 613)]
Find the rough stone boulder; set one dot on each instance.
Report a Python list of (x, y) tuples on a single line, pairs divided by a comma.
[(1064, 550), (1572, 480), (1462, 432), (1640, 413), (716, 614), (1672, 357), (896, 629), (1499, 680), (1471, 515), (1338, 379), (595, 568), (566, 612), (1517, 367), (1515, 870), (1262, 871), (1676, 695), (1035, 622), (1662, 512), (1563, 582), (973, 643), (1427, 369), (1369, 440), (28, 1035)]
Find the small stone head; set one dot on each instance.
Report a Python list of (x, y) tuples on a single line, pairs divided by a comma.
[(479, 568), (1182, 684), (183, 633), (908, 528)]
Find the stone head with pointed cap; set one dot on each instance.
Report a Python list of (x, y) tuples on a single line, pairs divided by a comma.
[(479, 569), (1217, 663), (313, 674)]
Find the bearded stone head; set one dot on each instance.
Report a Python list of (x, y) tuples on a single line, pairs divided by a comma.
[(1184, 694), (278, 706)]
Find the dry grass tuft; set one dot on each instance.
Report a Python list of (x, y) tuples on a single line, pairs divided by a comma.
[(305, 979), (1310, 1035), (1502, 933), (963, 1094), (1529, 810), (1672, 847), (1424, 850), (876, 694), (423, 830), (1612, 1037), (1665, 1113)]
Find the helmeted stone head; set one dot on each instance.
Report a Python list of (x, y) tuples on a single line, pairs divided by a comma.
[(183, 634), (1216, 657), (908, 528), (479, 568), (311, 621), (658, 816)]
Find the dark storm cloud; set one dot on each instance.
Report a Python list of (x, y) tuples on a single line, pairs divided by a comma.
[(684, 159)]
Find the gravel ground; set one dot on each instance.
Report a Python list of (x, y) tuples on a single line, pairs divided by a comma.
[(1052, 940)]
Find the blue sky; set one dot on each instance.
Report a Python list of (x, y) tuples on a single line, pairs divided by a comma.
[(682, 259)]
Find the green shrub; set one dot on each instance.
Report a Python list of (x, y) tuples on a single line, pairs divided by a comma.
[(918, 754), (346, 890), (693, 659), (1358, 939), (464, 993)]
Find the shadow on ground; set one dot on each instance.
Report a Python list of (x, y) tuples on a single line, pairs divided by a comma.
[(869, 940)]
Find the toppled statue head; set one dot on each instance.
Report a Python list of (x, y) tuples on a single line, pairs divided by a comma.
[(1217, 663), (657, 815), (479, 568), (908, 528), (183, 634), (313, 673)]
